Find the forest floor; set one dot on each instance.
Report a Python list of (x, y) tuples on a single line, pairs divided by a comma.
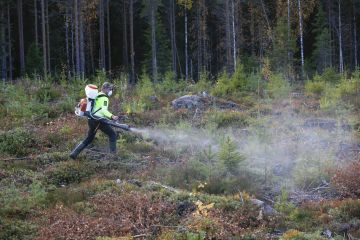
[(221, 170)]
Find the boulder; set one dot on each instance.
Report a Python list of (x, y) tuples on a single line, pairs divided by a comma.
[(202, 101), (327, 124), (188, 101)]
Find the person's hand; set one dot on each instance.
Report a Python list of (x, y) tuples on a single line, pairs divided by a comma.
[(113, 117)]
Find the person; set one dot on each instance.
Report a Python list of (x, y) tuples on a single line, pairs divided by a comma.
[(100, 110)]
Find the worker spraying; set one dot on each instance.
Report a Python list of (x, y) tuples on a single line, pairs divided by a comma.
[(95, 108)]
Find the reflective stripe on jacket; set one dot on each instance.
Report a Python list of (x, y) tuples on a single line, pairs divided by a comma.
[(101, 104)]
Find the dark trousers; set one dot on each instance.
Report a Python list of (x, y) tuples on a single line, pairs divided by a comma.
[(94, 126)]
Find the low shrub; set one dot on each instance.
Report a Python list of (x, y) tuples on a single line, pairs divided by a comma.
[(224, 119), (18, 202), (19, 142), (188, 175), (314, 88), (47, 92), (65, 173), (16, 229), (278, 87), (346, 179)]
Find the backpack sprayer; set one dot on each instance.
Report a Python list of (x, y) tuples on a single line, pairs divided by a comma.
[(85, 106)]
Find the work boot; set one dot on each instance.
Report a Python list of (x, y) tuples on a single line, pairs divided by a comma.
[(77, 150), (112, 147)]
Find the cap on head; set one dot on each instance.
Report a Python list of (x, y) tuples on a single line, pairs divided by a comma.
[(107, 86)]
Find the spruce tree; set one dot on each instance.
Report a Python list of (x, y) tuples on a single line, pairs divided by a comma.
[(322, 47)]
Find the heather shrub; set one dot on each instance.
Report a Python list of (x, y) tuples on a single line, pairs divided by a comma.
[(64, 173), (346, 179), (18, 142)]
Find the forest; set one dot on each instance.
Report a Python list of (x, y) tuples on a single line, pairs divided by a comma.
[(227, 119), (80, 38)]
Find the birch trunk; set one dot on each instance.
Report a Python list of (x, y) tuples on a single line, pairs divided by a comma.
[(132, 51), (21, 36), (341, 60), (301, 39)]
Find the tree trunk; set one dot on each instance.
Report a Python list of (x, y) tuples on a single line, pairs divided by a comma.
[(77, 38), (355, 38), (102, 36), (198, 40), (44, 37), (91, 43), (132, 52), (153, 39), (48, 36), (82, 43), (228, 37), (21, 36), (288, 31), (9, 43), (125, 37), (301, 39), (36, 24), (233, 33), (186, 47), (173, 35), (108, 33), (67, 41), (2, 44), (341, 60)]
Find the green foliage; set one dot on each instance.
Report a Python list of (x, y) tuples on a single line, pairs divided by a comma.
[(330, 76), (34, 60), (224, 119), (145, 89), (188, 175), (170, 85), (65, 173), (315, 87), (18, 202), (18, 142), (229, 157), (16, 230), (283, 205), (322, 52), (282, 45), (278, 87), (226, 85), (47, 92), (204, 84)]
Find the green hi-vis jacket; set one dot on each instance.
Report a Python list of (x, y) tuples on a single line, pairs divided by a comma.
[(101, 104)]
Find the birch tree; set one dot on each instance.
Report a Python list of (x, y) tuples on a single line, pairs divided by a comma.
[(187, 5)]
